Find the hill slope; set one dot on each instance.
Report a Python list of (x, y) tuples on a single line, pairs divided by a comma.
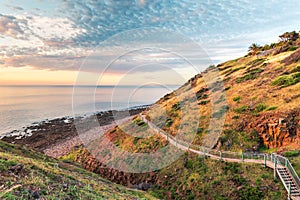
[(247, 104), (26, 174), (250, 103)]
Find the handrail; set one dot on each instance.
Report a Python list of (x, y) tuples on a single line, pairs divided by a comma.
[(290, 168), (230, 156)]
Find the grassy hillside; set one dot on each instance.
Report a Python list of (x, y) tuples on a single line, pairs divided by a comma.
[(247, 104), (257, 95), (26, 174), (250, 103), (194, 177)]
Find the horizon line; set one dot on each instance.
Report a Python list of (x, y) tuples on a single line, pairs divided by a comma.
[(47, 85)]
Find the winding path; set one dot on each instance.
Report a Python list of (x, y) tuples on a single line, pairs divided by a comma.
[(281, 165)]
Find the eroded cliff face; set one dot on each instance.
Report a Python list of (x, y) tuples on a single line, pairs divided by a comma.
[(141, 181), (278, 130)]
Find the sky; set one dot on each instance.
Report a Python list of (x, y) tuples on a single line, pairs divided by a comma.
[(129, 42)]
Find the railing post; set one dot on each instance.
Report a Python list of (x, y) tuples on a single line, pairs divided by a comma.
[(275, 167), (286, 162), (265, 160), (243, 156), (289, 192), (220, 155), (272, 155)]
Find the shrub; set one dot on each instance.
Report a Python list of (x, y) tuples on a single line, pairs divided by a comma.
[(260, 107), (256, 62), (291, 153), (241, 109), (203, 102), (237, 99), (200, 130), (251, 74), (176, 106), (169, 122), (227, 88), (271, 108), (296, 69), (292, 48), (287, 80), (252, 192)]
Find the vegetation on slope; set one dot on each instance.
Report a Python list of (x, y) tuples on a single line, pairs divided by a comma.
[(194, 177), (26, 174), (258, 96), (261, 85)]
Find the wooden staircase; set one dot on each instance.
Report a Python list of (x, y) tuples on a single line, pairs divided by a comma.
[(281, 165), (288, 181)]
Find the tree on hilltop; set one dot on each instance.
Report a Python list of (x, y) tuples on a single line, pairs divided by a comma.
[(289, 36), (254, 48)]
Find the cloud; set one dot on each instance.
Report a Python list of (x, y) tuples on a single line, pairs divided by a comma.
[(37, 35), (11, 26), (63, 41), (210, 19), (17, 8)]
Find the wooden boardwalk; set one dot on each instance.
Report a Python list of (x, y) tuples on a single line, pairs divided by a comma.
[(281, 169)]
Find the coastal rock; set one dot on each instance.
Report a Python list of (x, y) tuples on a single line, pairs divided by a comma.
[(277, 129)]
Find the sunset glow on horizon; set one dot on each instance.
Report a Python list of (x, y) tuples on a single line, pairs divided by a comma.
[(46, 42)]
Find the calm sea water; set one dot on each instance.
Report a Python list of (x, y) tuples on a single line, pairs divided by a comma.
[(21, 106)]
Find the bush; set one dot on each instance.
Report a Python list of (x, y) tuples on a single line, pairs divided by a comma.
[(203, 102), (252, 74), (236, 117), (291, 153), (260, 107), (287, 80), (241, 109), (200, 130), (271, 108), (227, 88), (292, 48), (169, 122), (252, 192), (176, 106), (237, 99), (296, 69)]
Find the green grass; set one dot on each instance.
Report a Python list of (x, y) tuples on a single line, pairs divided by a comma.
[(292, 153), (250, 75), (293, 48), (287, 80), (53, 179), (271, 108), (241, 109), (260, 107), (195, 177), (237, 99)]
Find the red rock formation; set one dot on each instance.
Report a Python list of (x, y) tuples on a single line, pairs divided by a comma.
[(277, 129)]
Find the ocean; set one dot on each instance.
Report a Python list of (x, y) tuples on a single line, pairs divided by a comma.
[(21, 106)]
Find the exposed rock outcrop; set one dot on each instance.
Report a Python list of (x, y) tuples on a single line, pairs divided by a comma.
[(141, 181), (277, 129)]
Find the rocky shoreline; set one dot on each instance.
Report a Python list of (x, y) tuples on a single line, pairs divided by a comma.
[(57, 137)]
